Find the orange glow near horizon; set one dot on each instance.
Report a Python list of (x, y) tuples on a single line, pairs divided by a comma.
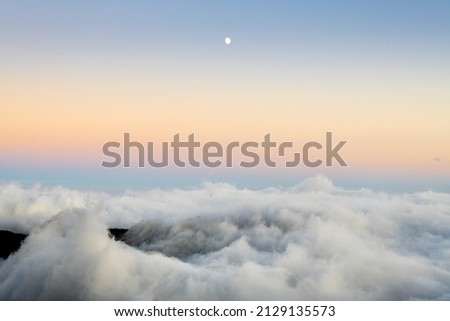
[(74, 111)]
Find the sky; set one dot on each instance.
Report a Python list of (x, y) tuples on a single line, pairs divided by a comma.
[(74, 75)]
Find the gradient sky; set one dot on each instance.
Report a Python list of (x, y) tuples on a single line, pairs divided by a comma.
[(74, 75)]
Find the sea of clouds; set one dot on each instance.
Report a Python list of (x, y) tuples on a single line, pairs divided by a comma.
[(311, 241)]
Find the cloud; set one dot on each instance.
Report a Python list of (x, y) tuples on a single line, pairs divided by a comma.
[(437, 159), (312, 241)]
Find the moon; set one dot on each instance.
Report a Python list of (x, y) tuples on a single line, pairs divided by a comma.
[(227, 40)]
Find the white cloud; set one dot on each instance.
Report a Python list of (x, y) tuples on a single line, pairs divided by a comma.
[(310, 241)]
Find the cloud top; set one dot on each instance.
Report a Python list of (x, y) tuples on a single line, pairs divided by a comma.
[(312, 241)]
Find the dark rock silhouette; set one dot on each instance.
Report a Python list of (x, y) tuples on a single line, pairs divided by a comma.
[(10, 242), (117, 233)]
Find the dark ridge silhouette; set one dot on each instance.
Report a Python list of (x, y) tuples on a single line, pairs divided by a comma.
[(117, 233), (10, 242)]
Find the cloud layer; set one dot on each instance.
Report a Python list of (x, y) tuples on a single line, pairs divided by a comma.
[(312, 241)]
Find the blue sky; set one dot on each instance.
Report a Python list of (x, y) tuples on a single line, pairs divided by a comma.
[(375, 68)]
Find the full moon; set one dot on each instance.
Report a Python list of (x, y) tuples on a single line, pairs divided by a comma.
[(227, 40)]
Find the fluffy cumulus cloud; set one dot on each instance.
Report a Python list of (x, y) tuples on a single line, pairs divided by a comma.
[(312, 241)]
